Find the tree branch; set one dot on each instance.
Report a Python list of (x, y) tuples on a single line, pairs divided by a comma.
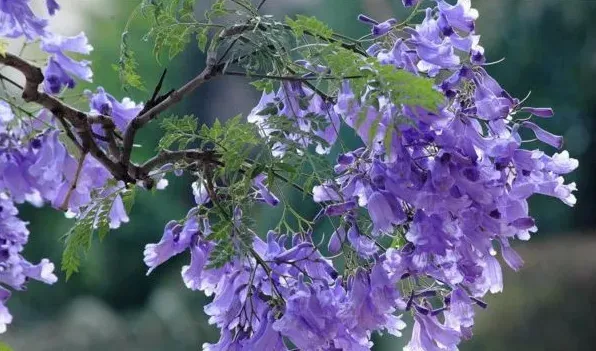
[(166, 156), (294, 78), (78, 119), (210, 71)]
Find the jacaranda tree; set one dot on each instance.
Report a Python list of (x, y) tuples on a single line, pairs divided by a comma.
[(423, 210)]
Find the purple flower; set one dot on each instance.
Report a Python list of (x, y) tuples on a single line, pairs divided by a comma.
[(6, 114), (409, 3), (17, 19), (227, 342), (176, 239), (361, 244), (263, 192), (336, 239), (544, 136), (265, 336), (49, 166), (121, 112), (489, 105), (325, 192), (544, 112), (310, 318), (56, 78), (378, 29), (57, 46), (92, 176), (561, 163), (429, 335), (460, 314), (43, 272), (307, 112), (117, 214), (383, 27), (371, 303), (431, 233), (384, 213), (5, 316), (201, 195), (191, 274), (460, 15), (493, 274), (52, 6), (340, 208), (15, 270), (511, 257), (439, 54)]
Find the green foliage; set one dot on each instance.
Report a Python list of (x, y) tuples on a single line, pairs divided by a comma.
[(127, 66), (93, 219), (264, 47), (172, 28), (233, 237), (403, 87), (178, 130), (265, 85), (218, 9), (398, 85), (234, 140), (173, 24), (222, 253), (304, 24)]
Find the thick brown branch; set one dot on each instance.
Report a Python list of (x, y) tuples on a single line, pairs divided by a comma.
[(78, 119)]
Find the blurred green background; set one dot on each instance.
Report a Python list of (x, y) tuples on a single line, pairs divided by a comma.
[(549, 48)]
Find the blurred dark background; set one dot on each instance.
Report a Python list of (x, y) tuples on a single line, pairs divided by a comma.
[(549, 48)]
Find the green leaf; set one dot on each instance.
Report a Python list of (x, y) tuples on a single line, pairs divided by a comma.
[(127, 66), (234, 141), (172, 25), (311, 25), (128, 198), (77, 244), (286, 167), (103, 228), (93, 219), (218, 9), (398, 241), (222, 253), (178, 130), (202, 39), (5, 347), (256, 170), (265, 85)]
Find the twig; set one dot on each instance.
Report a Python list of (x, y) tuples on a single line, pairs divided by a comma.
[(3, 77), (138, 122), (69, 133), (261, 4), (287, 78), (166, 156), (64, 206)]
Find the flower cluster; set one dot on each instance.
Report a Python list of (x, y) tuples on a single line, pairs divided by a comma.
[(448, 189), (311, 119), (422, 211), (36, 165), (285, 290)]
